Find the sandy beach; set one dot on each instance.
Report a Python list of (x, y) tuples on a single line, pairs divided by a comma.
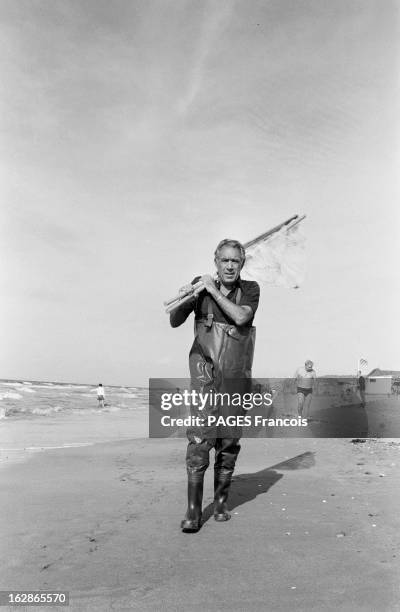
[(200, 221), (314, 526)]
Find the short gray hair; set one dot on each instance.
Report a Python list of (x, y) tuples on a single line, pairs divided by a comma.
[(234, 244)]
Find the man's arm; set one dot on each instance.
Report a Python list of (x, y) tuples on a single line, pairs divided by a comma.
[(180, 314), (314, 381), (239, 314)]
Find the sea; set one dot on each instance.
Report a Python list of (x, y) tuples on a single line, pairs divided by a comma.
[(40, 415), (24, 398)]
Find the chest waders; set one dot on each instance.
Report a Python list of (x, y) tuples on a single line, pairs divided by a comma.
[(220, 361)]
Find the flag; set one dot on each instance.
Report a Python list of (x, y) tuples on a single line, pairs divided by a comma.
[(363, 363), (278, 260)]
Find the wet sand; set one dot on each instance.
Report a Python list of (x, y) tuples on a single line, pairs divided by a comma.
[(314, 526)]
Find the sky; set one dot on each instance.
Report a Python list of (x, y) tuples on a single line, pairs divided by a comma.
[(137, 134)]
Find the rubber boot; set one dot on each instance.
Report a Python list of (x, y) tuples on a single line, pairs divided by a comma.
[(222, 483), (192, 521)]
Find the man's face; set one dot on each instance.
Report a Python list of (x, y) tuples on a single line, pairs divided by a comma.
[(309, 365), (229, 264)]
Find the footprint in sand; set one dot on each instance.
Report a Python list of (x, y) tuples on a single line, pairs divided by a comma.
[(126, 476)]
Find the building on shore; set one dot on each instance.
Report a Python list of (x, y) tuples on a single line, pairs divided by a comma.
[(380, 382)]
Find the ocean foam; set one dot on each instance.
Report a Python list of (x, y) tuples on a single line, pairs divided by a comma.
[(11, 384), (52, 386), (67, 445), (127, 395), (10, 395), (46, 411), (110, 409)]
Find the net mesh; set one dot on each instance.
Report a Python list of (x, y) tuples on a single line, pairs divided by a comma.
[(279, 260)]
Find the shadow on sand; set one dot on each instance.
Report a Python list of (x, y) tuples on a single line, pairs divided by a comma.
[(246, 487)]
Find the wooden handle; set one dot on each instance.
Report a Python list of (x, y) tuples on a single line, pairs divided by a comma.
[(178, 303), (178, 298)]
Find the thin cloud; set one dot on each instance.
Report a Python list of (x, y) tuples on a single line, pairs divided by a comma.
[(216, 18)]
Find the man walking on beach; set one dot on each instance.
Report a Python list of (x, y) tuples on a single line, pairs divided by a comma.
[(220, 360), (306, 379)]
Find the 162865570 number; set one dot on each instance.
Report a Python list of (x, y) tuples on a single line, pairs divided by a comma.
[(34, 598)]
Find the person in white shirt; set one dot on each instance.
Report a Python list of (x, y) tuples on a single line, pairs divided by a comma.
[(100, 395), (306, 379)]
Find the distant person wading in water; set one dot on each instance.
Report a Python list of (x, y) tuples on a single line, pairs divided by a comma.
[(100, 395)]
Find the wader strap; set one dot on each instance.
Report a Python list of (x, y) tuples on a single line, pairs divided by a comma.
[(210, 315), (238, 295)]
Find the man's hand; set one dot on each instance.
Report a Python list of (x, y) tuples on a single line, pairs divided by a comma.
[(205, 282), (186, 290), (208, 283)]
